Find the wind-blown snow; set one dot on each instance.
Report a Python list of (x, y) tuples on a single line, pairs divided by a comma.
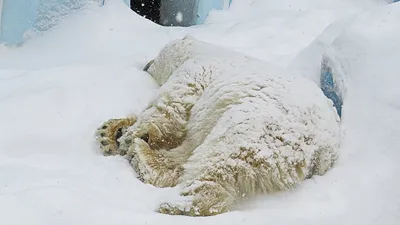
[(58, 88)]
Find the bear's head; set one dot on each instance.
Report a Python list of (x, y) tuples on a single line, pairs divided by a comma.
[(171, 57)]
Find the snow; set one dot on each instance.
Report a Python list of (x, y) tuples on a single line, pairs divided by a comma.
[(57, 88)]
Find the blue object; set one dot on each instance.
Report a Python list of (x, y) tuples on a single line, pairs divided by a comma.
[(17, 17), (205, 6), (328, 85), (21, 16)]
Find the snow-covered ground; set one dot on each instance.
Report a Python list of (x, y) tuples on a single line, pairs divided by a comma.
[(57, 88)]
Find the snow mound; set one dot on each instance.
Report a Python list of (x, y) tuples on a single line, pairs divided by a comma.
[(363, 54)]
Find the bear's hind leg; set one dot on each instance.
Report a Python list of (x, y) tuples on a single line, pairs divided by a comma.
[(215, 191), (221, 185), (156, 167), (204, 198)]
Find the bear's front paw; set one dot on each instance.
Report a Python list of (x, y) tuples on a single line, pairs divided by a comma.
[(108, 134)]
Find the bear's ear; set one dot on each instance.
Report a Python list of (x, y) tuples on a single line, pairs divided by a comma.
[(147, 66)]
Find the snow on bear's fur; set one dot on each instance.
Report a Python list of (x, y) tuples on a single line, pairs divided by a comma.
[(223, 127)]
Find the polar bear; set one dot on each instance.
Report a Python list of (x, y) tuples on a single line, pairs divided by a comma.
[(224, 127)]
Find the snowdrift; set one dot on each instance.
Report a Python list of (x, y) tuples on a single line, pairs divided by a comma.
[(363, 52)]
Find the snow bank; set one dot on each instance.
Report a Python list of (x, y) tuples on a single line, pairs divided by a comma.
[(275, 31), (364, 57), (319, 61)]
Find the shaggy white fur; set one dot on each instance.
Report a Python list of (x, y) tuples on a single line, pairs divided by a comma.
[(225, 126)]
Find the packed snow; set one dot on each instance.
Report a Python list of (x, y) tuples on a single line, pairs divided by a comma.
[(58, 87)]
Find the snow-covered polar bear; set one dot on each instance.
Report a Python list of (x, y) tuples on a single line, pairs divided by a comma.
[(224, 127)]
